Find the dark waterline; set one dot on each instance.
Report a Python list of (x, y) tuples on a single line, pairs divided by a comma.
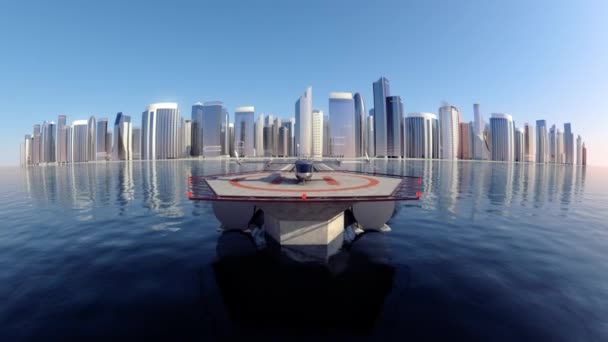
[(492, 252)]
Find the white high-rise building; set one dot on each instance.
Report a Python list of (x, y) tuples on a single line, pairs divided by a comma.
[(159, 130), (371, 138), (303, 134), (480, 148), (79, 141), (502, 131), (420, 132), (519, 144), (559, 148), (317, 133), (449, 128)]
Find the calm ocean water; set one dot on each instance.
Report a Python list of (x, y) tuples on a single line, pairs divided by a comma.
[(491, 252)]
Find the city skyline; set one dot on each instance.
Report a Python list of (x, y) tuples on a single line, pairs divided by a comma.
[(167, 135), (550, 66)]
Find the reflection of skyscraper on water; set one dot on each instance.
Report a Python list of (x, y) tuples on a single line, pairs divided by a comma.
[(500, 191), (448, 186), (567, 185), (126, 188), (162, 187)]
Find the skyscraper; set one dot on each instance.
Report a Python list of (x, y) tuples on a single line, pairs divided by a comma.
[(528, 143), (276, 125), (102, 132), (283, 142), (449, 119), (344, 125), (480, 148), (259, 136), (62, 139), (371, 137), (187, 137), (553, 145), (568, 144), (289, 125), (214, 129), (579, 150), (519, 145), (27, 150), (317, 133), (268, 140), (542, 142), (464, 142), (381, 90), (79, 141), (91, 139), (327, 148), (135, 143), (502, 131), (49, 140), (36, 145), (159, 129), (197, 129), (225, 131), (123, 145), (360, 123), (394, 127), (584, 154), (420, 131), (303, 134), (559, 148), (243, 130), (231, 139)]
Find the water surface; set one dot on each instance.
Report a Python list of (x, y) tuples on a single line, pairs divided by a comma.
[(492, 251)]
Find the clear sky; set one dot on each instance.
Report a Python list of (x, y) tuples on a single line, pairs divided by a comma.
[(533, 59)]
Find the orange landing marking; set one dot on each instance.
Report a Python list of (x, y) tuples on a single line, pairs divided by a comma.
[(330, 180), (370, 183), (303, 196)]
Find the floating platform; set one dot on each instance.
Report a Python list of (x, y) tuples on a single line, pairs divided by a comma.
[(308, 216)]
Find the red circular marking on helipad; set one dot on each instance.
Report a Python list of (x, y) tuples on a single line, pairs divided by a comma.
[(370, 182)]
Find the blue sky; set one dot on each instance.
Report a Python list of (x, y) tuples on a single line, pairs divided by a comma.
[(532, 59)]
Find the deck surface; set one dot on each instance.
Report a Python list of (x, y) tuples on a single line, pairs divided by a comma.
[(322, 184)]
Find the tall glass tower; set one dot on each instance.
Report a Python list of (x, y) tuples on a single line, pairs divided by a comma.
[(381, 90), (197, 129), (503, 147), (303, 127), (360, 125), (213, 128), (123, 146), (394, 127), (343, 125), (243, 131), (542, 142)]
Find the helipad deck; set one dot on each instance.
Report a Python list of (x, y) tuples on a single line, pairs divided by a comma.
[(283, 186)]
